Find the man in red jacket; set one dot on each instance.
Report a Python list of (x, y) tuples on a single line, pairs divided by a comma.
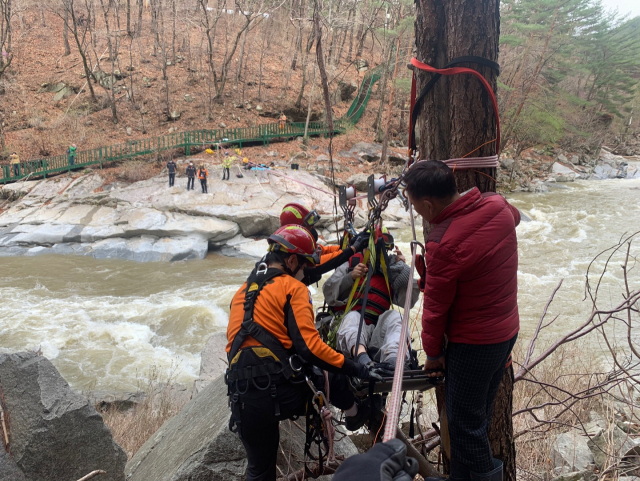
[(470, 321)]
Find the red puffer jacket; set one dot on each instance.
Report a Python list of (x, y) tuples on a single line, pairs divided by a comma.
[(471, 290)]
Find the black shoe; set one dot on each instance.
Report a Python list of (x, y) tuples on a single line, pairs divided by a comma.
[(353, 423)]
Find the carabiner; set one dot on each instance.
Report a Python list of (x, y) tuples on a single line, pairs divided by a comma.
[(417, 243), (262, 268), (292, 366)]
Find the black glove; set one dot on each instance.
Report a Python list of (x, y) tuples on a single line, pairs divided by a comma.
[(369, 372), (364, 359), (360, 242), (385, 369), (384, 462), (311, 276)]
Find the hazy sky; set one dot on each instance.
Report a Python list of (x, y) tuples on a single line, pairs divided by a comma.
[(624, 6)]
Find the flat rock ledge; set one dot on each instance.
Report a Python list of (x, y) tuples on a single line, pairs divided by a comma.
[(148, 221)]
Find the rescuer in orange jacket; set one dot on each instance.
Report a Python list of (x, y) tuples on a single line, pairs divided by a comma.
[(331, 257), (272, 345), (202, 175)]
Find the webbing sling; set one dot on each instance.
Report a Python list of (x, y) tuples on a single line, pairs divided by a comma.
[(255, 283), (416, 102)]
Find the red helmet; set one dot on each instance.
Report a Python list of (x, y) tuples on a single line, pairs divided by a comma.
[(296, 214), (295, 239)]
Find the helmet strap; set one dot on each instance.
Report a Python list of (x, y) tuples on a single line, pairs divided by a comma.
[(286, 269)]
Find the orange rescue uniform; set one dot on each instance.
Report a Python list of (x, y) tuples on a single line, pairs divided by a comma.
[(284, 308), (329, 252)]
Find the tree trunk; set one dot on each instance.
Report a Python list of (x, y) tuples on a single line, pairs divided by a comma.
[(385, 137), (456, 118), (139, 22), (128, 9), (65, 33)]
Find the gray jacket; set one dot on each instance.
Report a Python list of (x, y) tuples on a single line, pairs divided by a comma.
[(338, 287)]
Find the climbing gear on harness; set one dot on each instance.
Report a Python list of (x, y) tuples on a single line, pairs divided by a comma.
[(259, 367), (319, 430)]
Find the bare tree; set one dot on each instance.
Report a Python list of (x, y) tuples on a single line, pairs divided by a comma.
[(110, 9), (80, 27), (160, 47)]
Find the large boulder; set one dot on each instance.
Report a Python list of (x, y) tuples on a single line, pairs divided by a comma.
[(213, 361), (55, 434), (367, 151), (196, 444), (612, 442), (359, 181), (397, 159), (345, 91), (570, 449)]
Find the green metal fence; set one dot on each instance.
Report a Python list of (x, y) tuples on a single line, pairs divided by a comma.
[(263, 133)]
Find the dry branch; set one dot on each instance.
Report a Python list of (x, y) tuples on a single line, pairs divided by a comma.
[(92, 474)]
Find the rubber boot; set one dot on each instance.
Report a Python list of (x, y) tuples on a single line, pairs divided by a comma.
[(493, 475)]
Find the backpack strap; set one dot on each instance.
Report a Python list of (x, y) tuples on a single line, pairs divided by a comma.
[(256, 281)]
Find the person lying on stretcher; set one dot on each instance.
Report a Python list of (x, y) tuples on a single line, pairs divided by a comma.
[(380, 335)]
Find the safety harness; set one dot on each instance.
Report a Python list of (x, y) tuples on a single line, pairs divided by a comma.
[(263, 366), (269, 364)]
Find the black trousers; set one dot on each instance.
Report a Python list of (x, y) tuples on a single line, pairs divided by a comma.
[(225, 173), (16, 170), (172, 178), (190, 181), (473, 375), (260, 428), (203, 184)]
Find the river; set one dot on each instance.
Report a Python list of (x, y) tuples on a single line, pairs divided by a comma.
[(106, 323)]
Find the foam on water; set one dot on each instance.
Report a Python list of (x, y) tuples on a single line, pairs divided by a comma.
[(105, 322)]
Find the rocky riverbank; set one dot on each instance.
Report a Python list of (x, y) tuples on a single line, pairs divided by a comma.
[(148, 221), (86, 214), (538, 170)]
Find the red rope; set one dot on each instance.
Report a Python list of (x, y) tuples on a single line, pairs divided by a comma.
[(455, 71)]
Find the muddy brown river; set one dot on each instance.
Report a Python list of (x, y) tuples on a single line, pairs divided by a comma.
[(105, 323)]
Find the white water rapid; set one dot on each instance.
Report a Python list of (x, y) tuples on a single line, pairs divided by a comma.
[(105, 322)]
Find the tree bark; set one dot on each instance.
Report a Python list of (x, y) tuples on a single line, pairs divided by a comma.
[(456, 118), (65, 33)]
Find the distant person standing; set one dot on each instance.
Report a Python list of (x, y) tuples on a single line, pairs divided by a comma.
[(283, 121), (202, 175), (15, 161), (71, 154), (191, 175), (171, 166), (227, 162)]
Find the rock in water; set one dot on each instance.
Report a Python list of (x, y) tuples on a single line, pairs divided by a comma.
[(56, 434), (196, 445)]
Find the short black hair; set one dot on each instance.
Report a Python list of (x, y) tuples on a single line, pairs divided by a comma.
[(431, 178)]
